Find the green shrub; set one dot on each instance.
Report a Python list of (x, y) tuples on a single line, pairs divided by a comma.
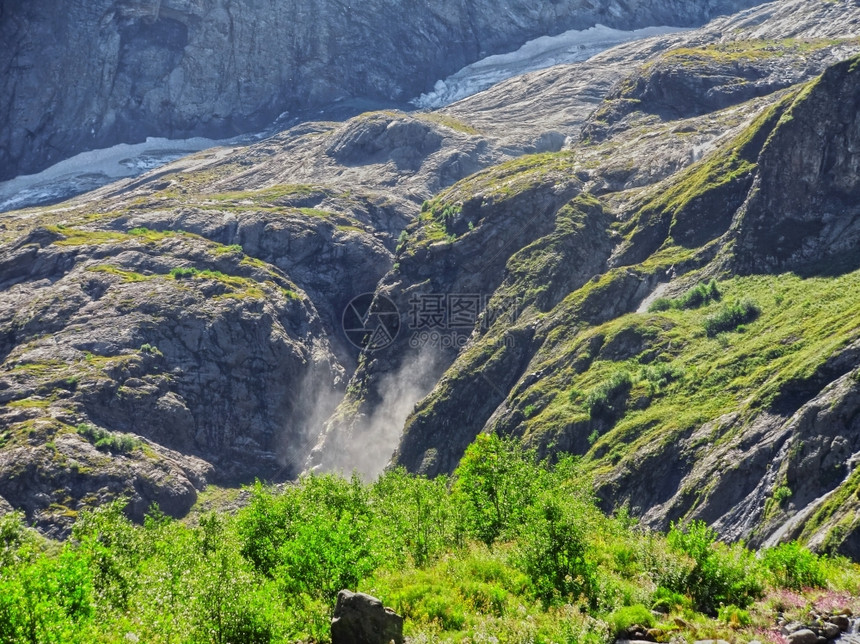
[(697, 296), (782, 494), (414, 517), (13, 535), (46, 600), (314, 538), (734, 616), (731, 316), (554, 553), (151, 349), (111, 545), (626, 616), (603, 400), (793, 566), (721, 575), (494, 485), (183, 272), (109, 441)]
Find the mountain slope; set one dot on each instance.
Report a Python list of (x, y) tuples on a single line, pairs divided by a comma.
[(185, 327), (178, 68), (661, 403)]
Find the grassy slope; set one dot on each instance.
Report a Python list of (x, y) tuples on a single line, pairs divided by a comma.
[(802, 323)]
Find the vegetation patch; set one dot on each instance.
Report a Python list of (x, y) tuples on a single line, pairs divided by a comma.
[(106, 441), (508, 548), (451, 122), (741, 51), (680, 375), (731, 316), (699, 295)]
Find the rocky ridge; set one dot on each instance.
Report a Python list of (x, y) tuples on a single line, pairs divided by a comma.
[(180, 68)]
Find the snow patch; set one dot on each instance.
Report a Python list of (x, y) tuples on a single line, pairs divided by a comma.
[(570, 47), (90, 170)]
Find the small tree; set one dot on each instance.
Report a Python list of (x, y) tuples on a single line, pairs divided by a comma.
[(494, 484), (554, 553)]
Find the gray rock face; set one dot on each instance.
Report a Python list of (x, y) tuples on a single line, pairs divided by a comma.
[(362, 619), (809, 185), (86, 74)]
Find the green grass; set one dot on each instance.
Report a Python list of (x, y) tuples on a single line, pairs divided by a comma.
[(448, 121), (239, 287), (80, 237), (126, 276), (687, 377), (741, 51)]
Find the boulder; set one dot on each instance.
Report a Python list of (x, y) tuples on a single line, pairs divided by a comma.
[(362, 619), (803, 636), (792, 627), (841, 621), (831, 630)]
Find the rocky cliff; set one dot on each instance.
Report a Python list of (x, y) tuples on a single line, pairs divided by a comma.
[(81, 75), (647, 259)]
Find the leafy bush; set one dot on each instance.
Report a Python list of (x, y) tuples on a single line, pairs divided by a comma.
[(494, 485), (14, 534), (603, 400), (554, 553), (402, 238), (314, 538), (183, 272), (414, 517), (46, 600), (782, 494), (697, 296), (150, 349), (721, 575), (793, 566), (626, 616), (731, 316), (109, 441)]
